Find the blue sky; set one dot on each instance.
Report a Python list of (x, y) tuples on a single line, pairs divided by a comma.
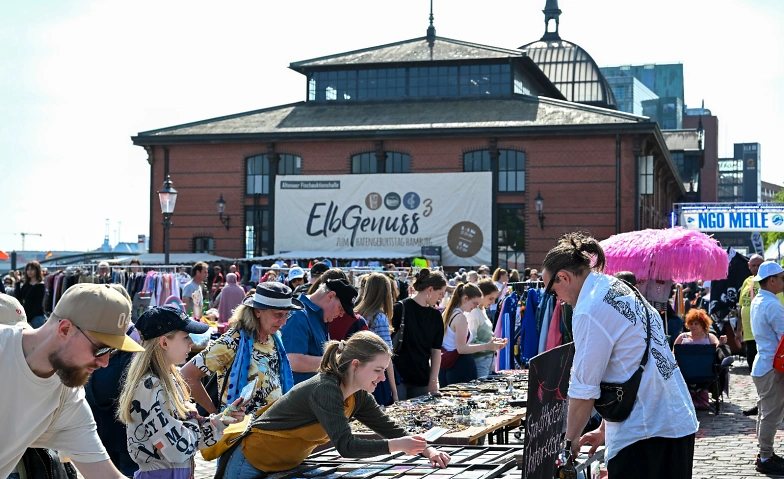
[(81, 77)]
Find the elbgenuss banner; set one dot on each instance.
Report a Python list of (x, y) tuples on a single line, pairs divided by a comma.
[(387, 212)]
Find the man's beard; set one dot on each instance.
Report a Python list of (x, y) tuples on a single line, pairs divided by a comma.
[(71, 376)]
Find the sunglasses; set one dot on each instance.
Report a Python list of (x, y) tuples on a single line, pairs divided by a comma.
[(282, 315), (549, 289), (99, 351)]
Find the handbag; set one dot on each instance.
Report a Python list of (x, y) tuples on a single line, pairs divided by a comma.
[(616, 400), (46, 464), (778, 359), (397, 340), (449, 358), (212, 390)]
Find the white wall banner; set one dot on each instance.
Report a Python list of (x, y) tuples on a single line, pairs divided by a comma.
[(763, 217), (387, 212)]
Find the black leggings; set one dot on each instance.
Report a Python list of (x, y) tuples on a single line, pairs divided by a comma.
[(751, 352)]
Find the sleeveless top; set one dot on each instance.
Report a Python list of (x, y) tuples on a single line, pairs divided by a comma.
[(449, 343), (688, 340)]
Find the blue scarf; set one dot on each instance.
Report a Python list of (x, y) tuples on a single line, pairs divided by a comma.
[(238, 378)]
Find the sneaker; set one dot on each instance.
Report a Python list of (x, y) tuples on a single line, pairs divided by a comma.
[(751, 412), (771, 466)]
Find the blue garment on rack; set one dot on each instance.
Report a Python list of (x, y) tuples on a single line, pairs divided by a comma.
[(508, 308), (529, 338), (545, 327)]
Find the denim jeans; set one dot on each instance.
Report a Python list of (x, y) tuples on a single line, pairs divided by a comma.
[(239, 468), (463, 371), (37, 321), (484, 365)]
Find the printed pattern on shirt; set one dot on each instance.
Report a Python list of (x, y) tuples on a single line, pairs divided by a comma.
[(265, 364), (619, 295), (156, 435), (665, 366)]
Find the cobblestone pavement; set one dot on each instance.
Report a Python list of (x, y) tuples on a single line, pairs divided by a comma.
[(725, 445)]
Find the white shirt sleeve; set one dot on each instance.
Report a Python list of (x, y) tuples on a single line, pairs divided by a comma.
[(74, 433), (593, 347)]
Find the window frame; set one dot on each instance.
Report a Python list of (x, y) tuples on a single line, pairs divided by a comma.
[(197, 244)]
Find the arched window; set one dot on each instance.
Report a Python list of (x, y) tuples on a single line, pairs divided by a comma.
[(258, 172), (368, 163), (203, 244), (511, 168)]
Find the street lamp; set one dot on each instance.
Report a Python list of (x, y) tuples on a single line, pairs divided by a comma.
[(168, 197), (539, 201), (221, 209)]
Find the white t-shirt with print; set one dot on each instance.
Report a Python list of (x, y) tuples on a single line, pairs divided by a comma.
[(609, 325), (29, 403)]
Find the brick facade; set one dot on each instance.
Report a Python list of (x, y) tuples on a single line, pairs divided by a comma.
[(576, 175)]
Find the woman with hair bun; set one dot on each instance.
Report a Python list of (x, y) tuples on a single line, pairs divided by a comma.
[(419, 359), (457, 362), (616, 335), (319, 409)]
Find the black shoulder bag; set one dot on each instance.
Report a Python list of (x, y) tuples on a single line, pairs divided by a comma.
[(211, 386), (397, 341), (616, 401)]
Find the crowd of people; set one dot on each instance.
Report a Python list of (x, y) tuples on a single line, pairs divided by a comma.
[(306, 352)]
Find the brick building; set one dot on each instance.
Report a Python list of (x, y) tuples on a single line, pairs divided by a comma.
[(426, 105)]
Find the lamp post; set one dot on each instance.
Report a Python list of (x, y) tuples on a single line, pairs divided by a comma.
[(539, 201), (168, 198), (221, 209)]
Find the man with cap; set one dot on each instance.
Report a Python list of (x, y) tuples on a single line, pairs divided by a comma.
[(12, 312), (316, 271), (307, 330), (767, 324), (45, 369), (296, 277), (251, 344)]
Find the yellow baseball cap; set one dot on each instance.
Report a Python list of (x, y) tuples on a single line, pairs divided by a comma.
[(101, 310)]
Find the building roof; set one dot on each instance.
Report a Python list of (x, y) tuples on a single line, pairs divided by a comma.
[(572, 70), (315, 120), (414, 50)]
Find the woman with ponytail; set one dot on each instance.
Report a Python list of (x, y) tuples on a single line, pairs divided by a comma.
[(319, 409), (419, 359), (457, 361)]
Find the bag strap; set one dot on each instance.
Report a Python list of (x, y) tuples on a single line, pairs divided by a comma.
[(225, 383), (402, 315), (645, 305), (454, 315), (60, 406)]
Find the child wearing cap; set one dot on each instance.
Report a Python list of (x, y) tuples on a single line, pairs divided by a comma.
[(163, 429)]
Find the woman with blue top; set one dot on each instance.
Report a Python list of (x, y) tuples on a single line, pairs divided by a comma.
[(251, 350)]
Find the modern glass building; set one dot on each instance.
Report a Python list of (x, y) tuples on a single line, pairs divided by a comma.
[(630, 93)]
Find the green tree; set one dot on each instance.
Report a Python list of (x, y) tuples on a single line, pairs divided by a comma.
[(770, 238)]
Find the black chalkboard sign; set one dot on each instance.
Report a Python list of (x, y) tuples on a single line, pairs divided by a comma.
[(548, 385)]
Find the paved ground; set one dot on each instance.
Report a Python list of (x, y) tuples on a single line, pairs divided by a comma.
[(725, 445)]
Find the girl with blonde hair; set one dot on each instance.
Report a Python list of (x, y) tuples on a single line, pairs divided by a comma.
[(319, 409), (162, 426), (376, 308)]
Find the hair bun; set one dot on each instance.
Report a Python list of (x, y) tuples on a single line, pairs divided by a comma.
[(424, 273)]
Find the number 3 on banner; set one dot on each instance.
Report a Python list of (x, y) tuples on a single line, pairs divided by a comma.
[(429, 204)]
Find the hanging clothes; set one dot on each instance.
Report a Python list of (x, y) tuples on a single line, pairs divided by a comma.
[(554, 332), (529, 339)]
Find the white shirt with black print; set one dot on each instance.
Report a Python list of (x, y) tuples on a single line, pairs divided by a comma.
[(610, 327), (159, 440)]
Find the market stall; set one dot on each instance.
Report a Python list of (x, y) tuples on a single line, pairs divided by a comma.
[(466, 413)]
